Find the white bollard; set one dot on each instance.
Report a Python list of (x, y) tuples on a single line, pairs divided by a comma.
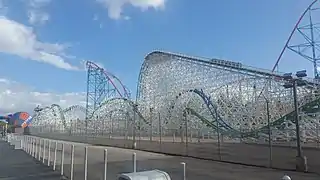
[(105, 164), (44, 151), (184, 170), (86, 163), (29, 145), (55, 155), (62, 159), (24, 144), (49, 152), (72, 162), (32, 148), (21, 144), (39, 149), (134, 161), (36, 148)]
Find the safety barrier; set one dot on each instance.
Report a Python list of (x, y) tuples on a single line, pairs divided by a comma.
[(47, 152), (53, 153)]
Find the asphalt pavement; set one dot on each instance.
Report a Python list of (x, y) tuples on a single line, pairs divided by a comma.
[(281, 156), (18, 165), (120, 161)]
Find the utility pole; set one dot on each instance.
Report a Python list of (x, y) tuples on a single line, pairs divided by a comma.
[(296, 118)]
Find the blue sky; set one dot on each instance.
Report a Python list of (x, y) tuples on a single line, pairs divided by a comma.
[(249, 31)]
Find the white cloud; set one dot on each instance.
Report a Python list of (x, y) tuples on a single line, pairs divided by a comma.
[(15, 97), (36, 12), (115, 7), (17, 39)]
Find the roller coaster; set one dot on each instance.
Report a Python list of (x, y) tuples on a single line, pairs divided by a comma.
[(209, 95), (211, 108)]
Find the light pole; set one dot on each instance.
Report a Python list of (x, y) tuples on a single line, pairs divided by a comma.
[(293, 82)]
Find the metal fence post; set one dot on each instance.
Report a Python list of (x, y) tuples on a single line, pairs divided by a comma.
[(39, 154), (33, 146), (134, 161), (317, 134), (49, 152), (55, 155), (21, 144), (105, 164), (86, 163), (72, 162), (28, 151), (183, 170), (30, 145), (44, 151), (62, 159), (25, 144), (36, 148)]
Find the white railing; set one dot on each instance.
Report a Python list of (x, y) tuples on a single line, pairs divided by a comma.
[(53, 154)]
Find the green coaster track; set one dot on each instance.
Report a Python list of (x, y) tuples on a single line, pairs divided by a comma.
[(218, 122)]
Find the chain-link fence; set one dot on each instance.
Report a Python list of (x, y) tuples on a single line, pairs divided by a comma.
[(213, 144)]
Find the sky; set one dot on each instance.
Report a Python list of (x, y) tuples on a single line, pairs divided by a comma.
[(44, 43)]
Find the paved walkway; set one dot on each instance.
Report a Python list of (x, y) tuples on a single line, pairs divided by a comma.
[(18, 165), (120, 161)]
